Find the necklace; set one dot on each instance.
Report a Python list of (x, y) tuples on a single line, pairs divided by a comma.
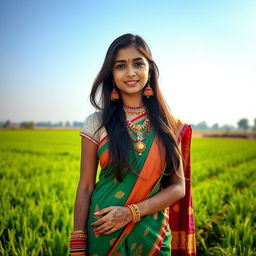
[(134, 110), (139, 146), (138, 127)]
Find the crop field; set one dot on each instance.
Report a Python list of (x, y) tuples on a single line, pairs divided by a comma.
[(39, 171)]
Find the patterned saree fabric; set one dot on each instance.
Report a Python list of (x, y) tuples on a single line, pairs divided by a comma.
[(152, 235), (181, 213)]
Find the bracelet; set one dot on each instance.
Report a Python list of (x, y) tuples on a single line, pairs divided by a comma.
[(78, 231), (78, 234), (135, 212), (78, 242)]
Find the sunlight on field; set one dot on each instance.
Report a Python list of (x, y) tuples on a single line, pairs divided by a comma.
[(39, 174)]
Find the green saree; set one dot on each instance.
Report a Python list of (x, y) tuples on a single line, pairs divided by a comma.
[(152, 234)]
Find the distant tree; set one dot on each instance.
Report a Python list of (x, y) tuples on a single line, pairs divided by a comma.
[(243, 124), (7, 124), (227, 127), (43, 124), (202, 125), (215, 126), (67, 124), (27, 125), (254, 126)]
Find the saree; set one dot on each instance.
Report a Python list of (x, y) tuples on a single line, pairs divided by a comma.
[(181, 213), (153, 234)]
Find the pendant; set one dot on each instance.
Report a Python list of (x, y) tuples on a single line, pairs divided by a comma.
[(139, 136), (140, 147)]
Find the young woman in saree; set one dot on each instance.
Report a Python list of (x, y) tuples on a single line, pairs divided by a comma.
[(141, 203)]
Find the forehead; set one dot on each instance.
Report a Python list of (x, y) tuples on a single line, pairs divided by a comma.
[(129, 53)]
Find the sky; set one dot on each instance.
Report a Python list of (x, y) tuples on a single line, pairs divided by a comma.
[(51, 52)]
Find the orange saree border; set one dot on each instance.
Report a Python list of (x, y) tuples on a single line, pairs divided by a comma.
[(183, 241)]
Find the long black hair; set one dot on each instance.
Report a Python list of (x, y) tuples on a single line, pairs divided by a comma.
[(113, 116)]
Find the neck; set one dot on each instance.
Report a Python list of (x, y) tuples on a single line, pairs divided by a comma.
[(131, 101)]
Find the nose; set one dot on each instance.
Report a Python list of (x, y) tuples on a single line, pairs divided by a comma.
[(131, 71)]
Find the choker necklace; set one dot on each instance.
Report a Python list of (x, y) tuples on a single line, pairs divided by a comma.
[(134, 110)]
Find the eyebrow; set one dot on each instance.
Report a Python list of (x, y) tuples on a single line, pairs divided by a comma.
[(123, 61)]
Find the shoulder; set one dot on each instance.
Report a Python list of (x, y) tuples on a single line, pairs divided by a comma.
[(91, 125), (94, 119), (181, 128)]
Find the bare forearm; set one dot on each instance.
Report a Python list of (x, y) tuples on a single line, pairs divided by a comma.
[(162, 199), (82, 203)]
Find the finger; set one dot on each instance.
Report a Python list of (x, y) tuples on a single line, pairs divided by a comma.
[(98, 222), (103, 211), (110, 231), (103, 230)]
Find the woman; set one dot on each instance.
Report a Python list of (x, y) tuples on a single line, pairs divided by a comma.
[(143, 153)]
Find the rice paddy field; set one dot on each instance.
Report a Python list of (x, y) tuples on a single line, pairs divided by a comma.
[(39, 171)]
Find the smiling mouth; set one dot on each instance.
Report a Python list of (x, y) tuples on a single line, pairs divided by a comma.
[(131, 83)]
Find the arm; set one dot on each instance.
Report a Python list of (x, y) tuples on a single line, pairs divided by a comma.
[(88, 169), (116, 216)]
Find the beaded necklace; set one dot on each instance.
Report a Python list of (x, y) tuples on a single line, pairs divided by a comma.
[(134, 110)]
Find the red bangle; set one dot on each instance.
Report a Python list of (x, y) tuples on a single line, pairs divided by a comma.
[(78, 243)]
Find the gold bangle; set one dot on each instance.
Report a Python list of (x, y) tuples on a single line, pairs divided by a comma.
[(135, 212), (78, 234)]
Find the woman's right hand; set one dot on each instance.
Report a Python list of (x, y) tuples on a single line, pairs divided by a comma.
[(114, 218)]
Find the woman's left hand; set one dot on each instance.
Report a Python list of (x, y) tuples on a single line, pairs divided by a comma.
[(115, 218)]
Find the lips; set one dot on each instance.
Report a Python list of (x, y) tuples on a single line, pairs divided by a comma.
[(131, 82)]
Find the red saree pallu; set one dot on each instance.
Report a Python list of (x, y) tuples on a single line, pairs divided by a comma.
[(181, 213)]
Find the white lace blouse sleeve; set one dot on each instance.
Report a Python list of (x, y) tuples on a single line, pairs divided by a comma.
[(89, 128)]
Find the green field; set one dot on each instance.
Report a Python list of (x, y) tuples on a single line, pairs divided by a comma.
[(39, 171)]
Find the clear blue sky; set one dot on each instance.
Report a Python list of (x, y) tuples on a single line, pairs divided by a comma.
[(51, 51)]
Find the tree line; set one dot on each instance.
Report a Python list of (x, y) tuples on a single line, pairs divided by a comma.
[(242, 124)]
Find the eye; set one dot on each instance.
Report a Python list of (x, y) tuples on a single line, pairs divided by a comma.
[(139, 64), (120, 66)]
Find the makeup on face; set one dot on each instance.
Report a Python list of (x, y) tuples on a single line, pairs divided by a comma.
[(130, 72)]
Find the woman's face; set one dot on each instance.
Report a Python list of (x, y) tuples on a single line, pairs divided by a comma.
[(130, 71)]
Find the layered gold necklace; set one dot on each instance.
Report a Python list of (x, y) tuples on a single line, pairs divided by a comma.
[(138, 129)]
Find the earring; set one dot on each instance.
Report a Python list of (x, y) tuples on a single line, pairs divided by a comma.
[(114, 94), (148, 91)]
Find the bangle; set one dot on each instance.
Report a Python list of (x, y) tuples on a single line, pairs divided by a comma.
[(135, 212), (78, 242), (78, 234), (78, 231)]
